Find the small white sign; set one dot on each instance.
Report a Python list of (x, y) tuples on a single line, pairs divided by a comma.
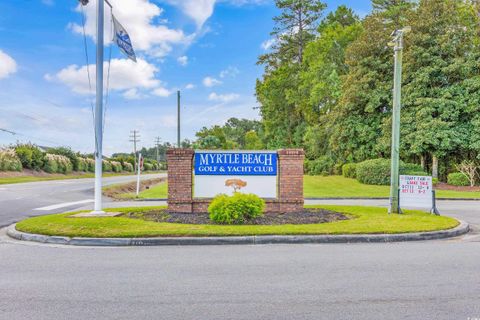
[(416, 192)]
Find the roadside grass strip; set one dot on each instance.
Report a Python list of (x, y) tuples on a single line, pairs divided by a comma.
[(321, 187), (364, 220), (339, 186), (52, 177)]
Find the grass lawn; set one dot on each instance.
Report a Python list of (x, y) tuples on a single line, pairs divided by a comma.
[(364, 220), (323, 187), (21, 179), (338, 186), (158, 191)]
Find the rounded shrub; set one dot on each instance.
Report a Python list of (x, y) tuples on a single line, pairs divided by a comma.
[(116, 166), (106, 166), (458, 179), (349, 170), (147, 166), (236, 209), (9, 160), (54, 163), (127, 167), (321, 166), (30, 156), (90, 165), (377, 171)]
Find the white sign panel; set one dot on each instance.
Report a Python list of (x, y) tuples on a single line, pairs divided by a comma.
[(416, 192), (225, 172)]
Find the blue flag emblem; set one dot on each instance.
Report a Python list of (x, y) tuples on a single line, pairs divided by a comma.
[(122, 39)]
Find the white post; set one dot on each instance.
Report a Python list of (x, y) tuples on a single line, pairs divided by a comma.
[(99, 111), (138, 172)]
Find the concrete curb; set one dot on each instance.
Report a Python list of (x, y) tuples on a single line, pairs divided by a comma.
[(459, 230)]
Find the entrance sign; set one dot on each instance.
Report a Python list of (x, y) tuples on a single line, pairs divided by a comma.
[(416, 192), (225, 172)]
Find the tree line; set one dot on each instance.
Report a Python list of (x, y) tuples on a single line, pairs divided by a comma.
[(328, 79)]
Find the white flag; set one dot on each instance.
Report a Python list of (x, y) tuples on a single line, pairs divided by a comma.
[(122, 39)]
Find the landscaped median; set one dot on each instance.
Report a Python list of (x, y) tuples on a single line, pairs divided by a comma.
[(136, 226)]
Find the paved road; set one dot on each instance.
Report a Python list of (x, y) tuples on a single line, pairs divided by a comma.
[(416, 280), (18, 201)]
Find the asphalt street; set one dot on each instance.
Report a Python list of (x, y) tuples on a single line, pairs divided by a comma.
[(21, 200), (414, 280)]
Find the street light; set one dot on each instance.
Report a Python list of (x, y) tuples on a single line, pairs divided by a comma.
[(397, 44)]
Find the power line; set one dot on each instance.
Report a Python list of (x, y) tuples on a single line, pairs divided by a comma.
[(8, 131)]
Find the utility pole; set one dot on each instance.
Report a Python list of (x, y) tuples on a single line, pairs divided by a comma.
[(99, 112), (157, 145), (178, 119), (135, 137), (397, 44)]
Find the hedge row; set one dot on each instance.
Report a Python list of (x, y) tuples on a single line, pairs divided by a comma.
[(61, 160), (9, 160)]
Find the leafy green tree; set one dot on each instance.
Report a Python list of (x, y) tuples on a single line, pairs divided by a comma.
[(252, 141), (324, 64), (441, 62)]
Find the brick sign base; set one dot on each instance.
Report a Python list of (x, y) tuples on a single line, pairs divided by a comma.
[(180, 183)]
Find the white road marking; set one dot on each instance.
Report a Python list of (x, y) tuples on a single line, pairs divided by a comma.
[(62, 205)]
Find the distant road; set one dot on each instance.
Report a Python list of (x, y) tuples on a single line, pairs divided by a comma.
[(21, 200)]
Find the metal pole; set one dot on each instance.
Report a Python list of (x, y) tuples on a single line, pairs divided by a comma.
[(99, 111), (178, 120), (394, 178), (138, 172)]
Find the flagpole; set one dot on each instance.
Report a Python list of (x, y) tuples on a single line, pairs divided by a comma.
[(99, 110)]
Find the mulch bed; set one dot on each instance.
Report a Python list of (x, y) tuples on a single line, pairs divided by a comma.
[(308, 216), (444, 186)]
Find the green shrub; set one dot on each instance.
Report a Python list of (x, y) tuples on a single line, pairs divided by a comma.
[(91, 164), (106, 166), (82, 165), (349, 170), (127, 167), (30, 156), (116, 166), (54, 163), (236, 209), (67, 152), (377, 171), (147, 166), (321, 166), (434, 181), (458, 179), (9, 160)]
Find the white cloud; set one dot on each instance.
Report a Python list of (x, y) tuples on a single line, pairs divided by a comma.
[(183, 60), (223, 97), (210, 82), (8, 66), (162, 92), (198, 10), (229, 72), (124, 75), (267, 44), (189, 86), (141, 19), (201, 10), (133, 94)]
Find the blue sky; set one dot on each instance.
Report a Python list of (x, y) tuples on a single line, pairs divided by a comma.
[(205, 48)]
